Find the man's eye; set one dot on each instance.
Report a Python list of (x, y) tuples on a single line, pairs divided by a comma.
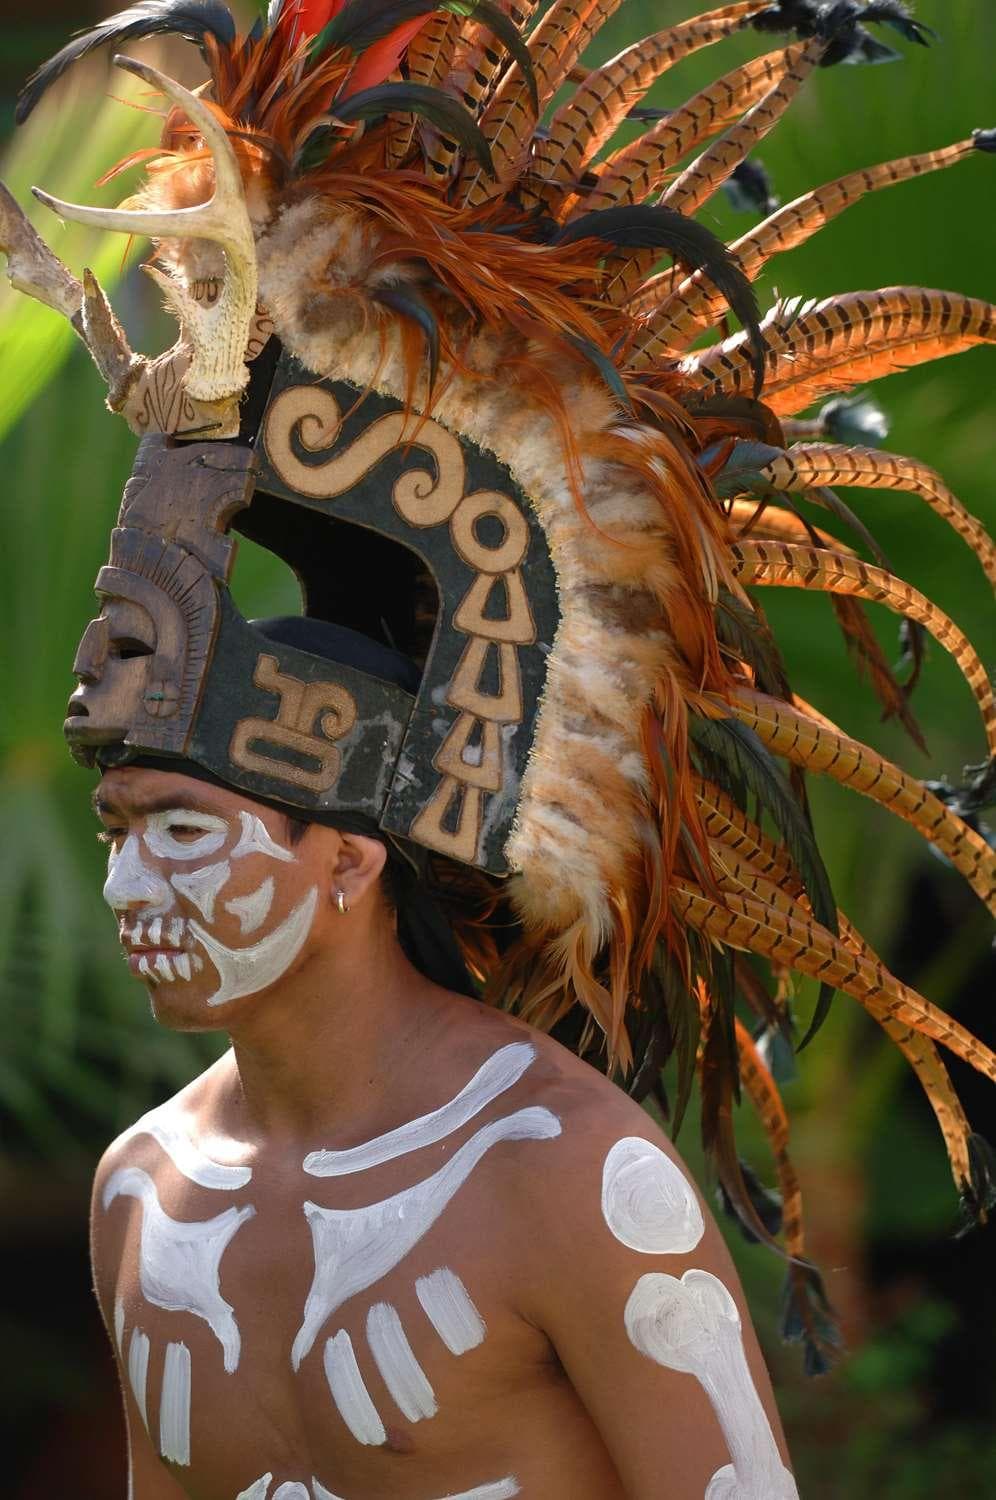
[(110, 835), (185, 834)]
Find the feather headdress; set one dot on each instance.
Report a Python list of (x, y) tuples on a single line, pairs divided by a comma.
[(385, 176)]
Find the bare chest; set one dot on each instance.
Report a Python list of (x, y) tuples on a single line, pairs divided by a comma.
[(322, 1334)]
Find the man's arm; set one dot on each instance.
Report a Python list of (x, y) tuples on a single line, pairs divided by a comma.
[(149, 1479), (639, 1297)]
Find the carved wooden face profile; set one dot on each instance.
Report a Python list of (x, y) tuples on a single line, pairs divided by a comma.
[(141, 663), (170, 667)]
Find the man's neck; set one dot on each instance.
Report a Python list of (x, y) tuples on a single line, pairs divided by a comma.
[(326, 1046)]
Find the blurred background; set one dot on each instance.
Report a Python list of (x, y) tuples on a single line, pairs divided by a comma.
[(908, 1412)]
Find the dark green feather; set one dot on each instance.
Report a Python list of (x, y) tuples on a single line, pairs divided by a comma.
[(729, 743), (409, 303), (191, 19), (441, 110), (606, 369), (647, 226)]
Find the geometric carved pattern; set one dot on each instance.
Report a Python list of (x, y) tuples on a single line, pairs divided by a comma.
[(488, 532)]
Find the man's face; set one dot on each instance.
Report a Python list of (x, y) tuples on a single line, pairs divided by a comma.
[(213, 904)]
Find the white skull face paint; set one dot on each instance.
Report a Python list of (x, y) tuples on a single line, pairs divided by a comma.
[(203, 886), (165, 951), (162, 843), (244, 971), (252, 910), (255, 839), (132, 884)]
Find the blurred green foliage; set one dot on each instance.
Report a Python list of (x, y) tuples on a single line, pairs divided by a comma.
[(82, 1056)]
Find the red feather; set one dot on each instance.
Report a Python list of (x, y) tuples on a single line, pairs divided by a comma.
[(381, 59), (312, 15)]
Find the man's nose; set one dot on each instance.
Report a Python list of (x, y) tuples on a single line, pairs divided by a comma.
[(132, 885)]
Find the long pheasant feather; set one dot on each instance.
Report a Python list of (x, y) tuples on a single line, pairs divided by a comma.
[(815, 746), (581, 126), (803, 944), (807, 465), (510, 119), (430, 57), (634, 171), (688, 307), (790, 565), (821, 347), (707, 173)]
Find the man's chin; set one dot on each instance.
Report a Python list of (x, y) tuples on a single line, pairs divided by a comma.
[(185, 1007)]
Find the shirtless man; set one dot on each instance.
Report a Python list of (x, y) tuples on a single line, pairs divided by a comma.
[(393, 1245)]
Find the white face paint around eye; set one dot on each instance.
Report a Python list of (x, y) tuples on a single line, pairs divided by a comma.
[(160, 842), (647, 1201), (693, 1326)]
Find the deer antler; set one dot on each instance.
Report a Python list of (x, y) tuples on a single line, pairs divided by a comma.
[(217, 333)]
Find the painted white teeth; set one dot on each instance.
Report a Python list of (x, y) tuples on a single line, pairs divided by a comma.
[(198, 963), (145, 970), (164, 967), (181, 963), (155, 932), (176, 932)]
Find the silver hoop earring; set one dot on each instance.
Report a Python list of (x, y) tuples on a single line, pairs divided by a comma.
[(341, 904)]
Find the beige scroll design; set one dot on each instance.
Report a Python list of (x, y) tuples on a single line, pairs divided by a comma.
[(471, 758), (294, 728)]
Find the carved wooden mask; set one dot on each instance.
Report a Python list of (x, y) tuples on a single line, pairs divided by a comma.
[(170, 667)]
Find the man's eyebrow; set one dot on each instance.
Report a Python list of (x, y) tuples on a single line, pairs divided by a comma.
[(104, 806)]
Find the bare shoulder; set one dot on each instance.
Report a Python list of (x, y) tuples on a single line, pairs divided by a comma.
[(610, 1191), (596, 1117)]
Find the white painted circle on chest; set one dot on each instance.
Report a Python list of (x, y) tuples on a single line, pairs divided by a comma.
[(648, 1203)]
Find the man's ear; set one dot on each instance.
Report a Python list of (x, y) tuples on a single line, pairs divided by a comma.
[(357, 867)]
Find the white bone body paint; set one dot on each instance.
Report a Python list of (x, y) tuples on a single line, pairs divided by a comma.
[(244, 971), (252, 910), (693, 1326), (185, 1156), (496, 1075), (257, 1491), (174, 1405), (254, 839), (203, 886), (138, 1371), (354, 1248), (446, 1303), (349, 1392), (400, 1370), (647, 1201), (503, 1489), (119, 1324), (178, 1265)]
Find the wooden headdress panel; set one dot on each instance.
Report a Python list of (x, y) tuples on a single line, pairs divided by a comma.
[(171, 667)]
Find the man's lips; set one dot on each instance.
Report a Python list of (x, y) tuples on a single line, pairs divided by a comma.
[(158, 950)]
